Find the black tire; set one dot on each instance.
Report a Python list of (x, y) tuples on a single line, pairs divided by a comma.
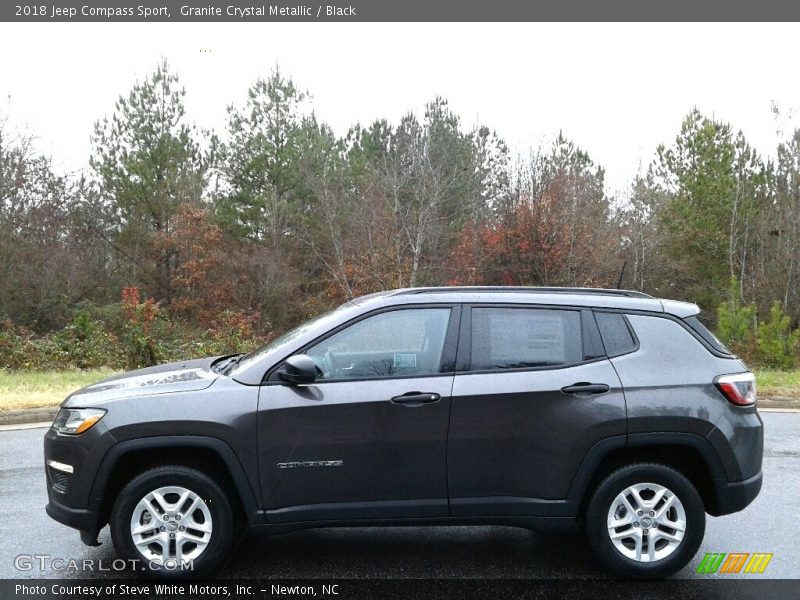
[(600, 504), (223, 536)]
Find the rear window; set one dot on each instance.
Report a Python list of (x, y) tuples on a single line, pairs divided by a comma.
[(704, 333), (616, 333), (516, 338)]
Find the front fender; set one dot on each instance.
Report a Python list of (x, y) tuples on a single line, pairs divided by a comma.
[(226, 454)]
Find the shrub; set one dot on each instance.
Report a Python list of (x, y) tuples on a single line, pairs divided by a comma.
[(84, 343), (777, 343), (736, 324), (142, 328), (135, 332), (233, 332), (15, 346)]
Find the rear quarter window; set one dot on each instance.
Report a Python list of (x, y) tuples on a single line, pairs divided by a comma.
[(697, 326), (616, 333)]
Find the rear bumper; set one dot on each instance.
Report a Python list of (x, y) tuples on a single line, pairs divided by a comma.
[(733, 497)]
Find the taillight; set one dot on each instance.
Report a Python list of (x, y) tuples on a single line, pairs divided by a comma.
[(739, 389)]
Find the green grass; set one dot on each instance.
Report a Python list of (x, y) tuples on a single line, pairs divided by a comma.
[(778, 383), (40, 389)]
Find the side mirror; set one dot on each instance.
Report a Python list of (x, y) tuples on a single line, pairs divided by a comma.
[(299, 368)]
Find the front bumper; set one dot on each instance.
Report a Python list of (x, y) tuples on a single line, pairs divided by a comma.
[(69, 493), (85, 520)]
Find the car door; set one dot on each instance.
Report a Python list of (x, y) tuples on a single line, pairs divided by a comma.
[(533, 393), (368, 438)]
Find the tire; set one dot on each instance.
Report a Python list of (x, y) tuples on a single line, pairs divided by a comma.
[(662, 548), (203, 525)]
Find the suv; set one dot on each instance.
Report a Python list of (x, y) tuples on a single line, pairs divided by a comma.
[(603, 410)]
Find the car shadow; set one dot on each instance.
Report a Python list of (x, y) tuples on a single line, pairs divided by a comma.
[(414, 552)]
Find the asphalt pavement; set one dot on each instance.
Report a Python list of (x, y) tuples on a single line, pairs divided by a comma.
[(770, 524)]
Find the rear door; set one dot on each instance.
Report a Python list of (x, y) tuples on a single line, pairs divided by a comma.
[(532, 394)]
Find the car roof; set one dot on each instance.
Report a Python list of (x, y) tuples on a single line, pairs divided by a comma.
[(484, 289), (562, 296)]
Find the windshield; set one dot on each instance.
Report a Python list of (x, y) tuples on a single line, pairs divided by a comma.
[(248, 359)]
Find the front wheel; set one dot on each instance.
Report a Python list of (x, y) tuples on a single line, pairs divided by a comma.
[(645, 521), (173, 521)]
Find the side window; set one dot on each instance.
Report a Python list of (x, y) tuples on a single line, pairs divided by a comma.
[(617, 336), (513, 338), (396, 343)]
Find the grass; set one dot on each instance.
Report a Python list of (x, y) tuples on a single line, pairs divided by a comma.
[(778, 383), (43, 389)]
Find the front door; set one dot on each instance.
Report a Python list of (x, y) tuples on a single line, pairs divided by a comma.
[(367, 440)]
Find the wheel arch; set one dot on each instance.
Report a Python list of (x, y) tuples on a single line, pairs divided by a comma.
[(210, 455), (690, 454)]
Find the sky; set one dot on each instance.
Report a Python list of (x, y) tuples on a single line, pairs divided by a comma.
[(617, 90)]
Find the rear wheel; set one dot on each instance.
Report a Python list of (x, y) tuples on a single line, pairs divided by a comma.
[(173, 521), (645, 521)]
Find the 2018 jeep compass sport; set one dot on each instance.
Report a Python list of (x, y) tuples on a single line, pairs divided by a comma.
[(606, 410)]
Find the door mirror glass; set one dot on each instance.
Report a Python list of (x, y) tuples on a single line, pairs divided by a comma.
[(299, 369)]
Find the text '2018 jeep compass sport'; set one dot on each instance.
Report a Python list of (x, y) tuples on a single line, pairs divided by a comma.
[(606, 410)]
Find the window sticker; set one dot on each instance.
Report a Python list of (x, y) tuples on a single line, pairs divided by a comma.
[(405, 361)]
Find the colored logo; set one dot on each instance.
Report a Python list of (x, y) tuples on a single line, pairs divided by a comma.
[(734, 562)]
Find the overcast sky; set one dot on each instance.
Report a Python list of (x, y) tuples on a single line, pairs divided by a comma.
[(618, 90)]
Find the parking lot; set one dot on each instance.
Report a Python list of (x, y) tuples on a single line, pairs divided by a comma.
[(770, 524)]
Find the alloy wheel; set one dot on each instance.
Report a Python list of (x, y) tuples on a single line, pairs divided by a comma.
[(646, 522), (170, 526)]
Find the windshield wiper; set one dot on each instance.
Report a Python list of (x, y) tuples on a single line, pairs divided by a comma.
[(225, 365)]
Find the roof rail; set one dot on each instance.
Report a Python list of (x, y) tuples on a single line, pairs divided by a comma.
[(524, 289)]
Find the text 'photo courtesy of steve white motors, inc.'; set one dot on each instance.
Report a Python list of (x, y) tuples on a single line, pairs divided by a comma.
[(164, 590), (390, 300)]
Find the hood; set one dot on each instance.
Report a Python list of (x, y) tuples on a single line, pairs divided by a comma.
[(184, 376)]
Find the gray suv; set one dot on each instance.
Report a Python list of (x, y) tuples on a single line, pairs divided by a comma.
[(607, 411)]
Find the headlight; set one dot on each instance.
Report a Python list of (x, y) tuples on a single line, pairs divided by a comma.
[(73, 421)]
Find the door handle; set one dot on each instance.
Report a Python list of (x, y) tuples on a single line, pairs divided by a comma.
[(416, 398), (586, 388)]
